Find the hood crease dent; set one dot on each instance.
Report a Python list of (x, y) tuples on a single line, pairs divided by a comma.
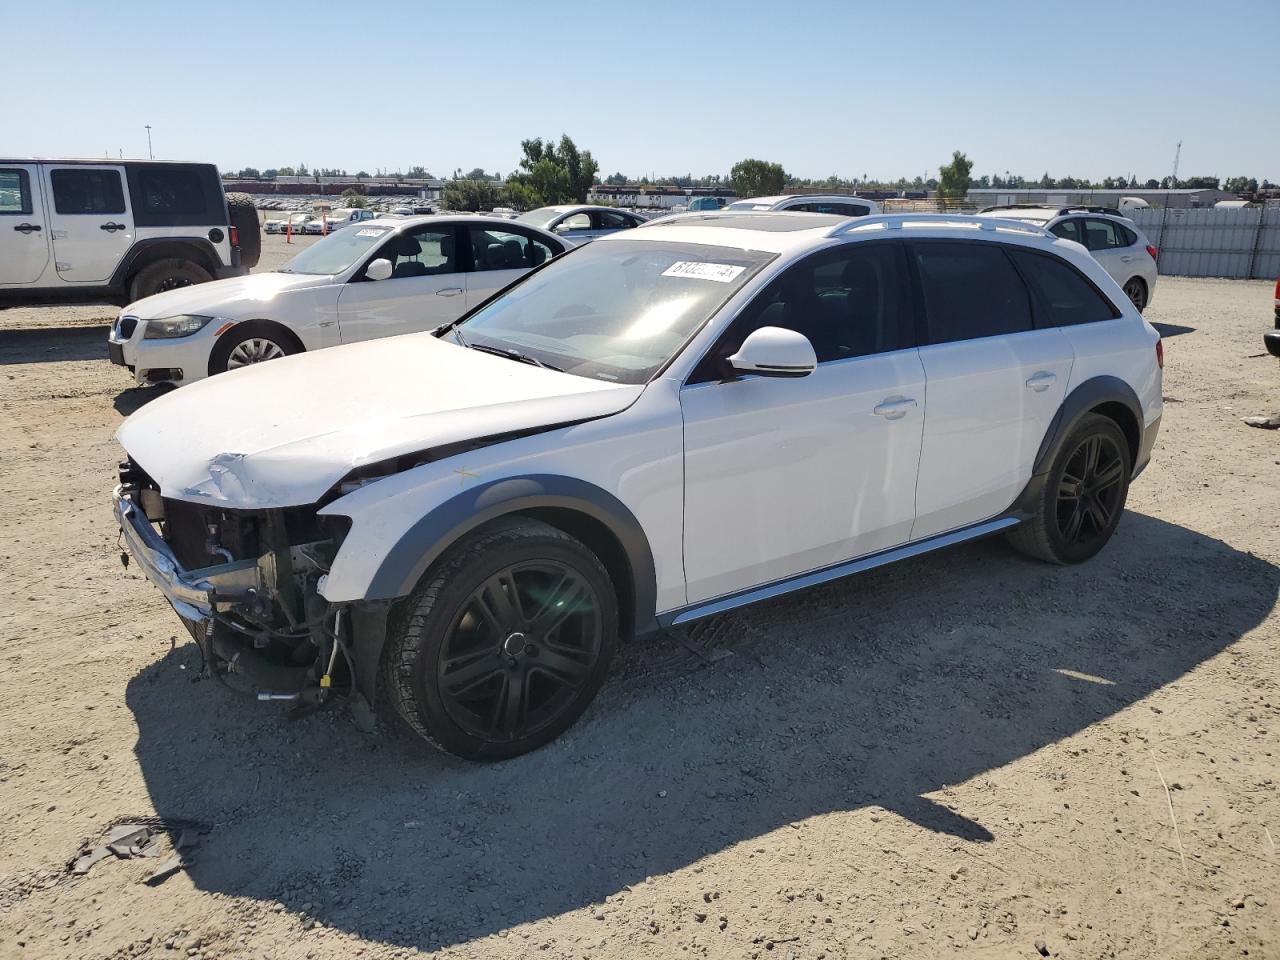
[(282, 433)]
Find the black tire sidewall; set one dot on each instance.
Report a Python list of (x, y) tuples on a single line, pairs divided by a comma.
[(437, 619), (243, 215), (1087, 427), (1141, 284), (150, 277)]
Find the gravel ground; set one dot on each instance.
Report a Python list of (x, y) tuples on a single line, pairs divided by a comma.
[(966, 754)]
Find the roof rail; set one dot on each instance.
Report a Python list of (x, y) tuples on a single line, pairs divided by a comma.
[(896, 221)]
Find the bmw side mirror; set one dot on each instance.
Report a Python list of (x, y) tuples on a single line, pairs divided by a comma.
[(775, 352), (379, 269)]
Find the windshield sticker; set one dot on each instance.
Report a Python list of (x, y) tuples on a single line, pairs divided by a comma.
[(370, 232), (719, 272)]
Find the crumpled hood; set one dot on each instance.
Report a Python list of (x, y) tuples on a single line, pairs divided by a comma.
[(283, 433), (222, 298)]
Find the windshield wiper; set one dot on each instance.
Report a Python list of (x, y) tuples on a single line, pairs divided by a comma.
[(511, 355)]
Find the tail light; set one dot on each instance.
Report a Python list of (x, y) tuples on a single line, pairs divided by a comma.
[(1160, 354), (235, 236), (1152, 251)]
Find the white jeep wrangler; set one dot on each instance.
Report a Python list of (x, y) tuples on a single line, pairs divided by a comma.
[(93, 229)]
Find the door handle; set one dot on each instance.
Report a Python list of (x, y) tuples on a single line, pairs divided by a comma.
[(1041, 381), (449, 292), (1127, 258), (113, 227), (27, 228), (894, 408)]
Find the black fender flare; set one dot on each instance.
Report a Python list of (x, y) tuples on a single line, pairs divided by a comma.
[(1089, 395), (197, 249), (538, 494)]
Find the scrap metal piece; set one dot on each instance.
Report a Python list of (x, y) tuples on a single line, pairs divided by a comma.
[(87, 858), (167, 868)]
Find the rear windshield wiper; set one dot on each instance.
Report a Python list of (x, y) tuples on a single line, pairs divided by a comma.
[(511, 355)]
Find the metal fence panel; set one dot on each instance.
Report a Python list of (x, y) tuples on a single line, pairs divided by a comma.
[(1212, 242)]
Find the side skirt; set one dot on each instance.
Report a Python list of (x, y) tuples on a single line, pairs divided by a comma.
[(827, 574)]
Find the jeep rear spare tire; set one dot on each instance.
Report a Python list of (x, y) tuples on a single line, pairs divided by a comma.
[(168, 274), (243, 215)]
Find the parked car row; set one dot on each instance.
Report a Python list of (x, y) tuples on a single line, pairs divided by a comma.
[(590, 442)]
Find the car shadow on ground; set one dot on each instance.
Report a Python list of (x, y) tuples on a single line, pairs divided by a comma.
[(874, 691), (1167, 330), (52, 344), (131, 399)]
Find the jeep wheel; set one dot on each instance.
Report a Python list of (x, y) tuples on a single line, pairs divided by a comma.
[(254, 341), (165, 275), (243, 216), (504, 643), (1083, 496)]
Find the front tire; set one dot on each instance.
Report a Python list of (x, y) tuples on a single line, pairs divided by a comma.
[(254, 341), (1083, 496), (504, 643)]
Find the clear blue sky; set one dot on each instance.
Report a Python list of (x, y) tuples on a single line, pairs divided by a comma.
[(1087, 89)]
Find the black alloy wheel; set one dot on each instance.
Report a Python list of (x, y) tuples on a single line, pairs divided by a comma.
[(520, 650), (1090, 491), (1136, 291)]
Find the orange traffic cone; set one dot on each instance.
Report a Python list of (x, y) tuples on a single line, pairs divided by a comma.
[(288, 231)]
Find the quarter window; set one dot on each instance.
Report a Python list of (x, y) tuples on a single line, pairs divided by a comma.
[(849, 302), (15, 193), (1063, 297), (169, 191), (971, 290), (506, 250), (87, 191)]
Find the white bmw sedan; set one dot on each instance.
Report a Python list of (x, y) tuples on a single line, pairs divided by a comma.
[(377, 279)]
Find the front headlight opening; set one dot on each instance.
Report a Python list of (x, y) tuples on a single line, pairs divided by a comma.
[(168, 328)]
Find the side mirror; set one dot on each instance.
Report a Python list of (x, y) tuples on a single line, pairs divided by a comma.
[(775, 352), (379, 269)]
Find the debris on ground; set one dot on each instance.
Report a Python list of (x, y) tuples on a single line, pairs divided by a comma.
[(144, 837)]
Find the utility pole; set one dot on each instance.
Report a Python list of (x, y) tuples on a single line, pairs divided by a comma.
[(1177, 155), (150, 155)]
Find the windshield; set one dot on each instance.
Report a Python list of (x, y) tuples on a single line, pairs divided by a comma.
[(338, 251), (540, 217), (616, 310)]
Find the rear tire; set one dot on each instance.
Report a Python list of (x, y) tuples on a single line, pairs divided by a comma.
[(1083, 496), (504, 643), (168, 274), (243, 215), (1136, 291)]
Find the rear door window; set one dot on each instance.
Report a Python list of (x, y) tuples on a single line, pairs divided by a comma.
[(971, 290), (1063, 297), (87, 191), (15, 193), (164, 190), (507, 249), (608, 220), (1102, 235)]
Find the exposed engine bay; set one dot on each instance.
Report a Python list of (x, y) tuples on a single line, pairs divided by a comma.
[(249, 589)]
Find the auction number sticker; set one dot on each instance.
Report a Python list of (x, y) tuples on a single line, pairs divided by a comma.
[(700, 270), (370, 232)]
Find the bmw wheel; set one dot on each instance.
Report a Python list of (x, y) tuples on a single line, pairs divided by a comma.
[(255, 341)]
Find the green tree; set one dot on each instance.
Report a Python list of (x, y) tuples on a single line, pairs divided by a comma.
[(518, 196), (616, 179), (351, 197), (418, 172), (757, 178), (469, 195), (557, 173), (479, 174), (953, 179), (251, 172)]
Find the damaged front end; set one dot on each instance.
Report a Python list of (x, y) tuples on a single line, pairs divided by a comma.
[(247, 585)]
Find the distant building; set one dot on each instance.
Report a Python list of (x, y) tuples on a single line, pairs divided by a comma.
[(652, 196), (1174, 199)]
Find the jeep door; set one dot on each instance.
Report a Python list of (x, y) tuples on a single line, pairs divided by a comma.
[(995, 383), (784, 475), (426, 288), (24, 238), (500, 256), (90, 221)]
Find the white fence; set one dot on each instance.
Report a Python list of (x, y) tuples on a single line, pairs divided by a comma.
[(1215, 243)]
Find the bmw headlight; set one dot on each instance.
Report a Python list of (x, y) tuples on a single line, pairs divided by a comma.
[(170, 327)]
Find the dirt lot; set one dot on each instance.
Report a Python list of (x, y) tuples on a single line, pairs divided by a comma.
[(965, 754)]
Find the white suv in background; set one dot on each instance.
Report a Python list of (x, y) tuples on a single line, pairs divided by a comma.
[(337, 219), (838, 205), (658, 426), (377, 279), (1113, 239)]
